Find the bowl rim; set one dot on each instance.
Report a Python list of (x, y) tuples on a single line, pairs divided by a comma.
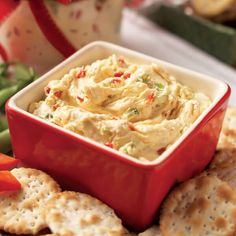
[(11, 106)]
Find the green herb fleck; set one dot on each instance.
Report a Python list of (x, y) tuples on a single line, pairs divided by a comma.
[(139, 79), (48, 116), (105, 130), (159, 86), (129, 148), (144, 79), (132, 111), (106, 84)]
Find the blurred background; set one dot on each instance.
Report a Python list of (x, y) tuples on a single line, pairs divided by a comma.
[(36, 35)]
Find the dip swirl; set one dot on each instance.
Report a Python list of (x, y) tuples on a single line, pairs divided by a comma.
[(139, 110)]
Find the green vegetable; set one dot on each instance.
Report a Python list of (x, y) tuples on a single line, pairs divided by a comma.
[(3, 69), (13, 77), (3, 122), (4, 83), (5, 141), (214, 38), (8, 92), (23, 72), (2, 109), (12, 73)]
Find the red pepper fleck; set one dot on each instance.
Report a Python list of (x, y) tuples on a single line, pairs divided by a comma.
[(127, 75), (58, 93), (16, 31), (81, 74), (161, 150), (116, 81), (80, 98), (121, 60), (109, 144), (54, 107), (131, 127), (151, 97), (47, 90), (118, 74)]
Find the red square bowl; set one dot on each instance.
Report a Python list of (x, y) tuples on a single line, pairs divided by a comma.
[(133, 188)]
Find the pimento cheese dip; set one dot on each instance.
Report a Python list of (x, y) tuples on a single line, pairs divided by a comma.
[(139, 110)]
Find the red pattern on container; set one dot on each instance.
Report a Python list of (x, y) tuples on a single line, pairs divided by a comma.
[(98, 7), (64, 1), (7, 7), (95, 28), (50, 29), (134, 3), (3, 53)]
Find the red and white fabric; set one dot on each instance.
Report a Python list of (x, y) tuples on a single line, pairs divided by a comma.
[(42, 33)]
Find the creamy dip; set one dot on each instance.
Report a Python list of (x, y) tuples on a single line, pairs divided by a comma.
[(139, 110)]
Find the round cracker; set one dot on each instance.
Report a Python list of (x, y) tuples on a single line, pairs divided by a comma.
[(202, 206), (211, 8), (227, 137), (71, 213), (223, 157), (226, 173), (22, 212), (152, 231)]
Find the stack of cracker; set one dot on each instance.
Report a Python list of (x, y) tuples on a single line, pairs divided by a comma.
[(40, 204)]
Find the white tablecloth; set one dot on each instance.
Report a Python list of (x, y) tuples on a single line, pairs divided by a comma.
[(139, 34)]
